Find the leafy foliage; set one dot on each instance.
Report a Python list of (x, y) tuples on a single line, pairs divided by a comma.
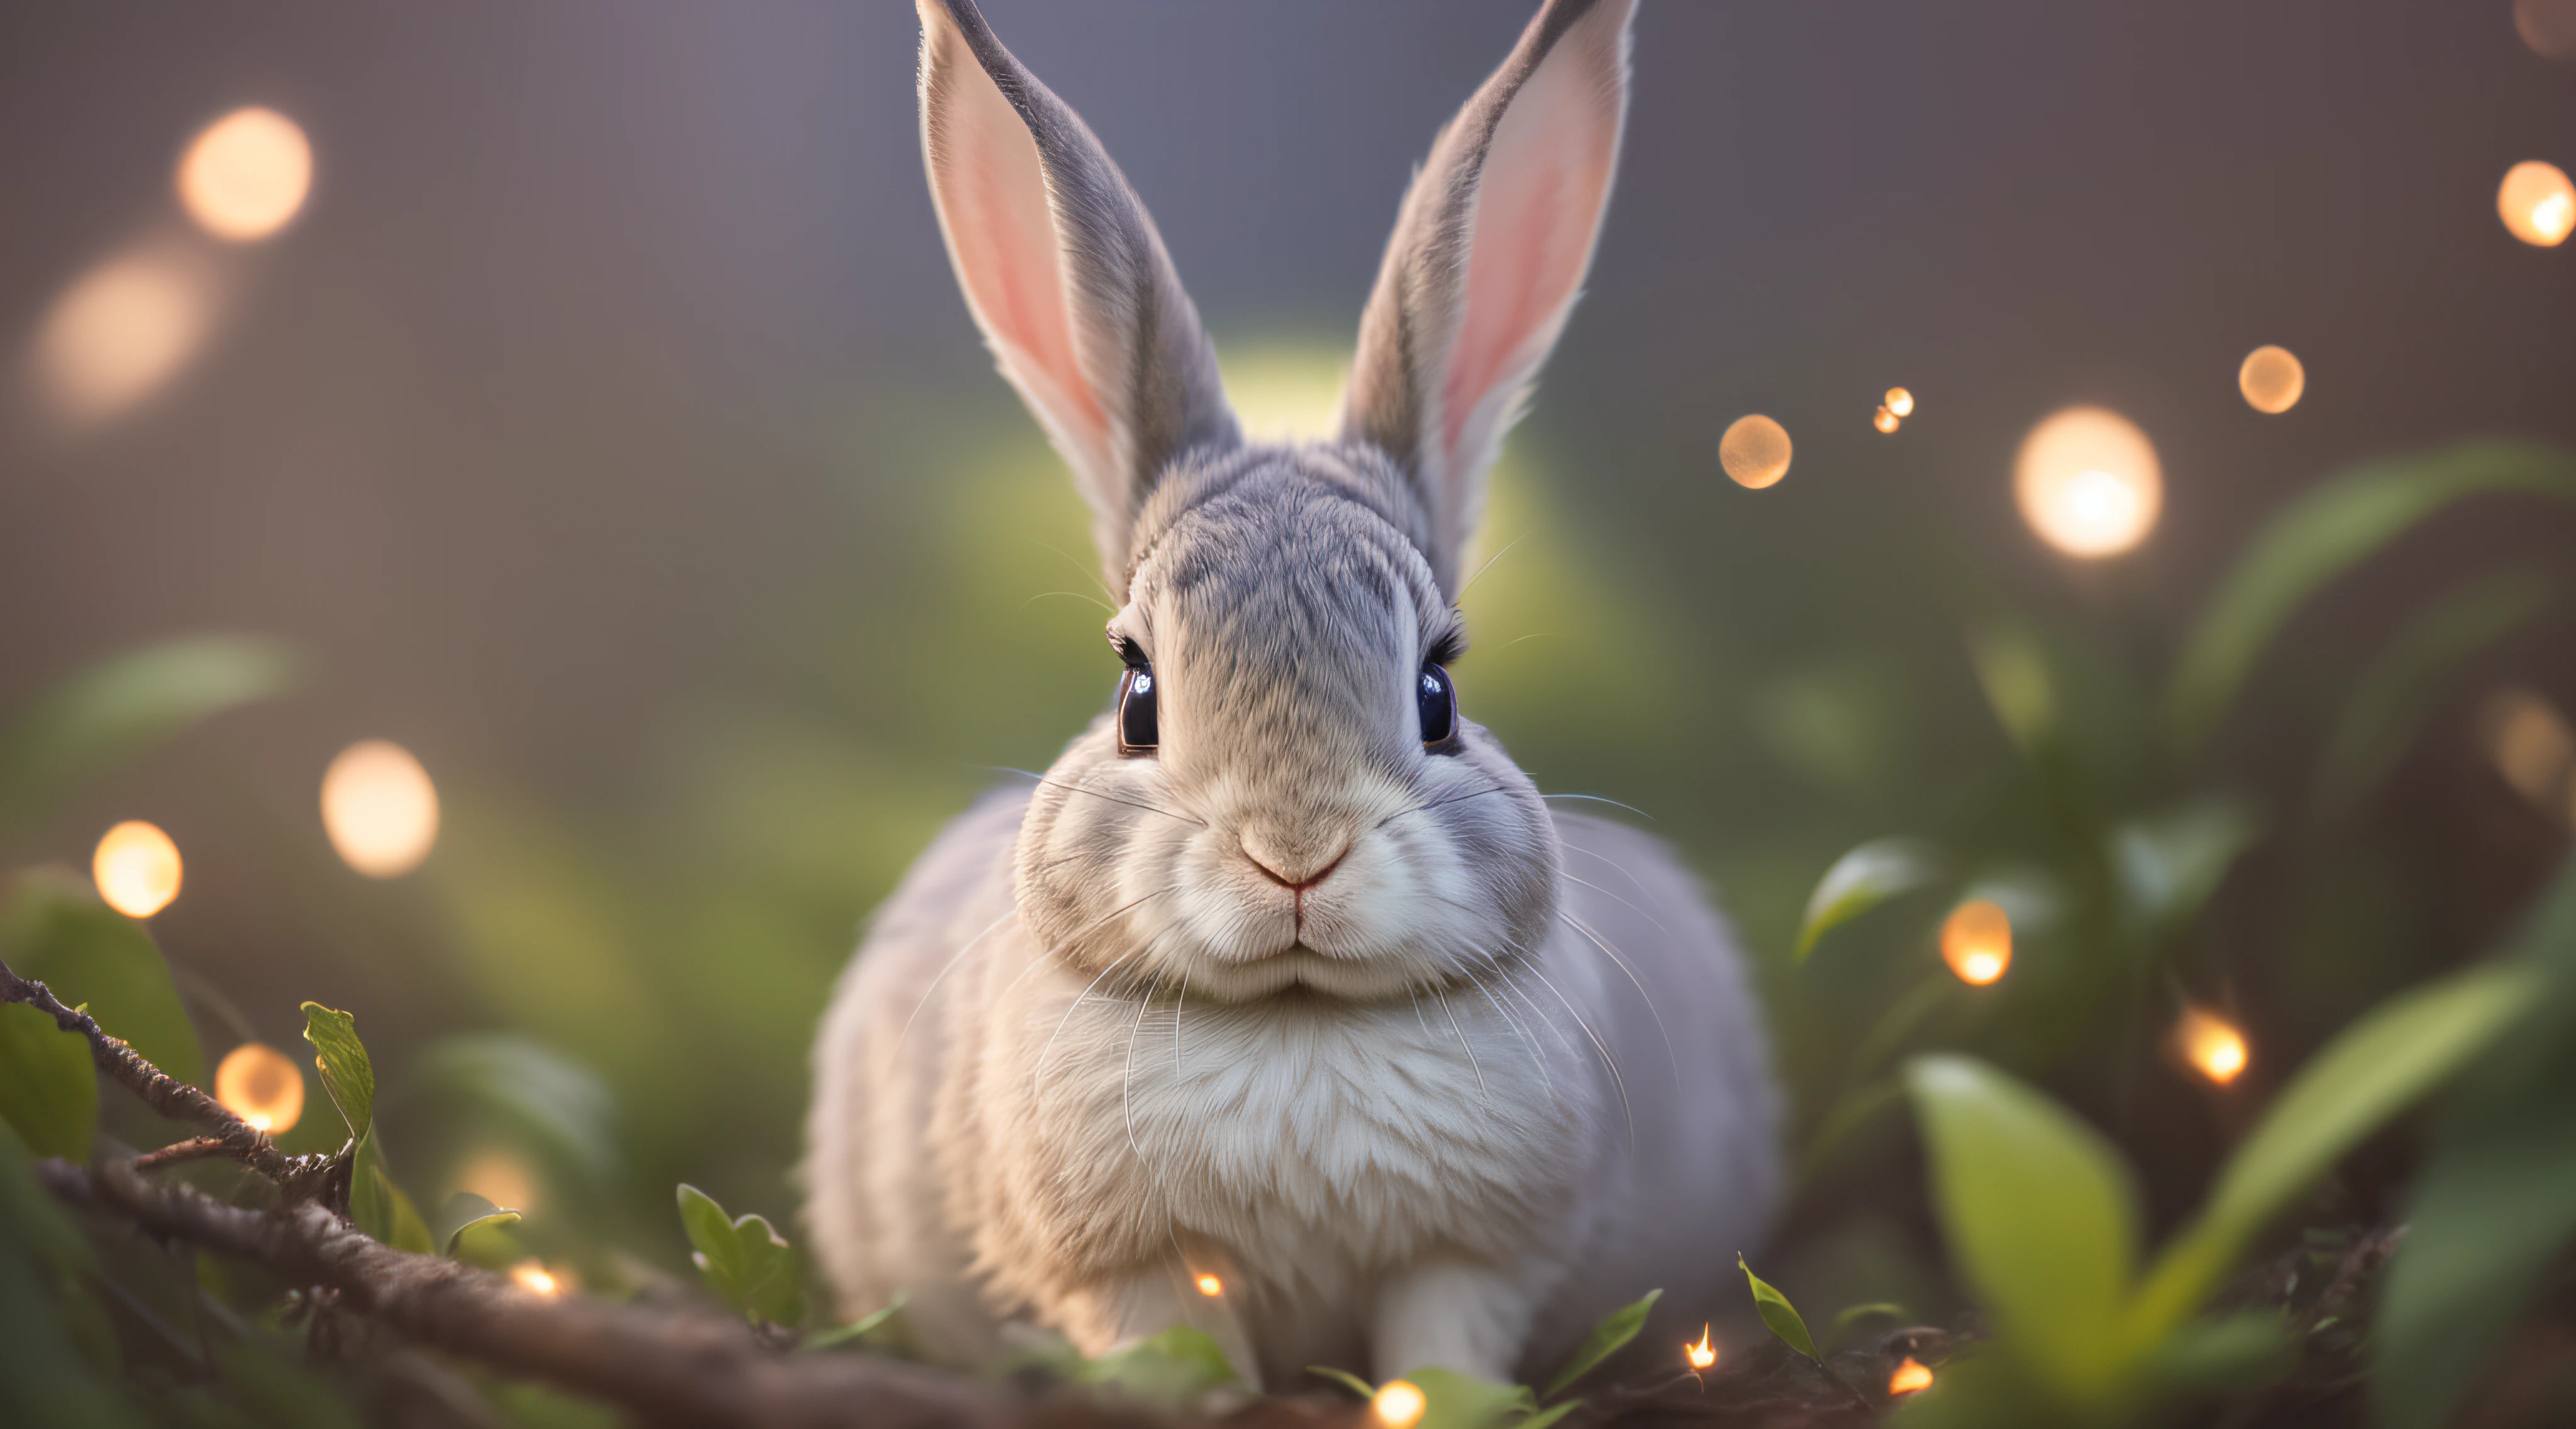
[(347, 1074), (1605, 1339), (121, 706), (744, 1260)]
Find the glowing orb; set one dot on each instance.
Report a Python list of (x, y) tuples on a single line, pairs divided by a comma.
[(1900, 401), (1911, 1377), (533, 1277), (262, 1086), (1209, 1286), (1398, 1404), (2212, 1046), (2089, 483), (137, 869), (1703, 1354), (2537, 203), (379, 808), (1754, 451), (118, 333), (246, 175), (1976, 941), (1884, 420), (2272, 380)]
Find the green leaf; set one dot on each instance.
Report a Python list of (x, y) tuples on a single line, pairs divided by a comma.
[(1607, 1338), (54, 928), (2169, 865), (379, 1206), (2039, 1214), (121, 706), (1549, 1415), (858, 1329), (48, 1085), (1851, 1315), (771, 1286), (1178, 1367), (1457, 1401), (342, 1060), (2323, 534), (1861, 880), (2387, 706), (558, 1107), (1345, 1379), (1779, 1314), (2234, 1355), (745, 1261), (2013, 671), (495, 1221), (2371, 1072)]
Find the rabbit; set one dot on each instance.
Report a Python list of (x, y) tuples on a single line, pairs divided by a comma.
[(1282, 1005)]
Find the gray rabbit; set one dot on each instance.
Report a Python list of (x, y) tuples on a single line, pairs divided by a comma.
[(1283, 1005)]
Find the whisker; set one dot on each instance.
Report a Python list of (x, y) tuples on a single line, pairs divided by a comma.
[(1465, 1046), (1487, 566), (1087, 572), (1623, 870), (1068, 595), (1615, 898), (1127, 1077), (1497, 788), (1598, 799), (1633, 981), (949, 967), (1039, 1070), (1599, 1046), (1529, 1045), (1095, 793), (1180, 1001)]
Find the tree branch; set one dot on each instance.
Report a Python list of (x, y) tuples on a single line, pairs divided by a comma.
[(300, 1176), (665, 1365)]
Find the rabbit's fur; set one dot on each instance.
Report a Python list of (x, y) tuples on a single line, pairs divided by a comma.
[(1425, 1073)]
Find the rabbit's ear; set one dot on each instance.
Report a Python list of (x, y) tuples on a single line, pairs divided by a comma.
[(1064, 273), (1489, 251)]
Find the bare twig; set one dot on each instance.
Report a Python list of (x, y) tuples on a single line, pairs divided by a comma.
[(300, 1176), (193, 1149)]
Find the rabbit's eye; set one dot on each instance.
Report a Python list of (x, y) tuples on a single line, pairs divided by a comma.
[(1138, 730), (1436, 696)]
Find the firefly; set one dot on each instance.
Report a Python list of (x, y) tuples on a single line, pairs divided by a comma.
[(379, 808), (1976, 941), (262, 1086), (136, 868), (2088, 482), (1398, 1404), (246, 174), (1886, 421), (1900, 402), (2212, 1045), (1210, 1286), (1911, 1377), (2537, 203), (2272, 380), (1754, 451), (533, 1277), (1703, 1354)]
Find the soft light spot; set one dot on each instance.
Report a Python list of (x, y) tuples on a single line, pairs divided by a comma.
[(2537, 203), (1398, 1404), (2548, 26), (1885, 420), (262, 1086), (246, 174), (2271, 379), (1703, 1354), (380, 808), (501, 1178), (2528, 742), (2088, 482), (533, 1277), (2211, 1044), (1210, 1286), (119, 332), (1754, 451), (1900, 401), (1976, 941), (137, 869), (1911, 1377)]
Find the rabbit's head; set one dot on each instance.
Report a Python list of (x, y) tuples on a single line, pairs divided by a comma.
[(1285, 793)]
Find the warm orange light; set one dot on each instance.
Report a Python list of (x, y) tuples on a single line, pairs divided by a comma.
[(2537, 203), (1398, 1404), (1703, 1354), (137, 869), (262, 1086), (500, 1178), (1885, 420), (533, 1277), (2089, 483), (246, 174), (2529, 743), (1754, 451), (1900, 402), (2212, 1046), (1976, 941), (1911, 1377), (2271, 379), (1210, 1286), (119, 332), (379, 808)]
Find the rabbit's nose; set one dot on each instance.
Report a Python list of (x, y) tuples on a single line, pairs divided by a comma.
[(1290, 867)]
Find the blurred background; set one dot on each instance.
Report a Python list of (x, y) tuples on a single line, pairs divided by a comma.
[(577, 396)]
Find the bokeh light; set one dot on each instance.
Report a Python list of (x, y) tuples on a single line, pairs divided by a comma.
[(1703, 1354), (1911, 1377), (2272, 379), (533, 1277), (2548, 26), (501, 1178), (1754, 451), (2528, 742), (1976, 941), (1398, 1404), (137, 869), (119, 332), (1210, 1286), (2212, 1045), (1884, 420), (2089, 483), (380, 808), (1900, 401), (262, 1086), (246, 174), (2537, 203)]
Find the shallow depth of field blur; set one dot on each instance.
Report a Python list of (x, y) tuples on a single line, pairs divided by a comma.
[(590, 413)]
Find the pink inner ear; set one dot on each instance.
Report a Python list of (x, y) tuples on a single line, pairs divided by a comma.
[(1537, 207), (992, 192)]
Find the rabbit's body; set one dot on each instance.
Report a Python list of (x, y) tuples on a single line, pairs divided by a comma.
[(1284, 982)]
